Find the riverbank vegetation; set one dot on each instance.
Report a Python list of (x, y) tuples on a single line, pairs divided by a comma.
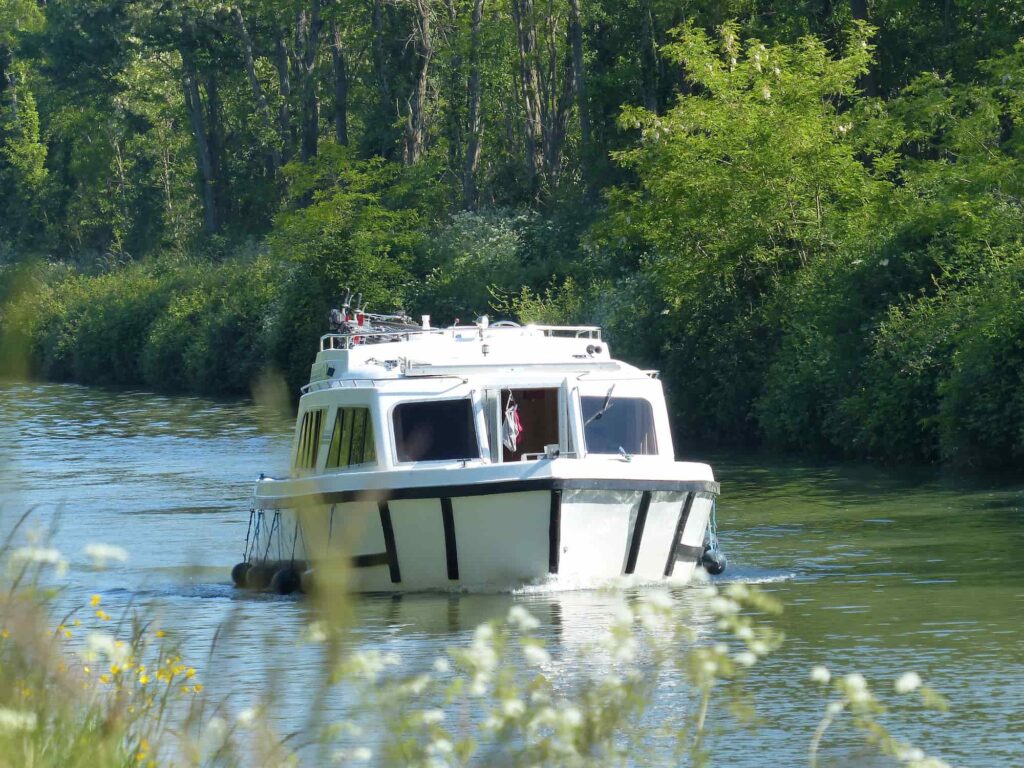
[(809, 216), (104, 687)]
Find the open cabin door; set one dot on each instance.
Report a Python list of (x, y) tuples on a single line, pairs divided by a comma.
[(523, 421)]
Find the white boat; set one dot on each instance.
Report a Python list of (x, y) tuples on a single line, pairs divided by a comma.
[(485, 456)]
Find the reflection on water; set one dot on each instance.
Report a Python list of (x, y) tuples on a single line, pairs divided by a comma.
[(880, 571)]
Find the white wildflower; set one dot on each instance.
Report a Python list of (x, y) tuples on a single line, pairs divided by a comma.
[(709, 667), (759, 647), (626, 648), (214, 733), (101, 644), (41, 556), (660, 599), (431, 716), (483, 634), (572, 717), (766, 93), (737, 591), (15, 720), (418, 684), (100, 554), (720, 648), (834, 708), (909, 754), (820, 674), (391, 659), (622, 614), (535, 655), (522, 618), (356, 754), (907, 682), (746, 659), (855, 682), (441, 665), (513, 708), (723, 606), (440, 747), (745, 633), (246, 718)]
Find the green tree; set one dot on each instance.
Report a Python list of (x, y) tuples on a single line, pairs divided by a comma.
[(752, 176)]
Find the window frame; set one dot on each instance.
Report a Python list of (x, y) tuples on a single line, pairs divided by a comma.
[(651, 413), (304, 442), (340, 412), (475, 415)]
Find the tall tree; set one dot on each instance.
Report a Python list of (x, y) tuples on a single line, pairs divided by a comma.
[(474, 123), (262, 107), (416, 104), (341, 84)]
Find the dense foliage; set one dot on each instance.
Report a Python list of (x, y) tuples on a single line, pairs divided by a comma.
[(809, 215)]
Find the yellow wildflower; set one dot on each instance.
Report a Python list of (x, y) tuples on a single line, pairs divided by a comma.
[(104, 678), (101, 614), (197, 688), (160, 633), (95, 601), (190, 673)]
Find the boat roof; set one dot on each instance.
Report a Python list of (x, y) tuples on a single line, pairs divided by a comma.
[(462, 350)]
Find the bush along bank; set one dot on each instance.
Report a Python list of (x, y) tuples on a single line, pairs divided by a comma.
[(815, 269)]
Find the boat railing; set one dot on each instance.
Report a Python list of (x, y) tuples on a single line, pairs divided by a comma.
[(387, 335)]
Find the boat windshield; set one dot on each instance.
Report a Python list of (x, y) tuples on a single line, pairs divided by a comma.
[(622, 424), (435, 430)]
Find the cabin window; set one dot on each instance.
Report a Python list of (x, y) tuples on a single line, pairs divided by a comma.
[(352, 439), (437, 430), (612, 424), (310, 430)]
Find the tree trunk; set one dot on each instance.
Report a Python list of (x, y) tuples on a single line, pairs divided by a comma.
[(284, 115), (5, 63), (310, 95), (868, 81), (472, 159), (415, 129), (454, 123), (648, 56), (380, 70), (262, 108), (204, 159), (580, 82), (215, 137), (526, 41), (340, 87)]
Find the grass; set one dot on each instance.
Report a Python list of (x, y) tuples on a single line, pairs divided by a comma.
[(91, 689)]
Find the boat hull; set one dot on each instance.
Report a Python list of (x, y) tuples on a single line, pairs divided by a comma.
[(575, 532)]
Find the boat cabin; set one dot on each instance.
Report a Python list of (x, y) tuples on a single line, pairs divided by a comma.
[(475, 395)]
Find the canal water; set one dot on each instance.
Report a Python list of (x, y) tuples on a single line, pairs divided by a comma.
[(880, 571)]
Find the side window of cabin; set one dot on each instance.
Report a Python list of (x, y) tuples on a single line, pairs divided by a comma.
[(435, 431), (352, 439), (622, 422), (310, 430)]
